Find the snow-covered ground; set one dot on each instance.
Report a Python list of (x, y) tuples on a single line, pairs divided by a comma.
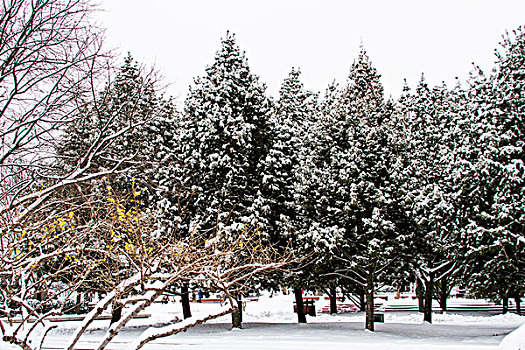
[(271, 324)]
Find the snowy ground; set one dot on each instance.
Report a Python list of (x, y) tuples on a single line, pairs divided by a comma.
[(271, 324)]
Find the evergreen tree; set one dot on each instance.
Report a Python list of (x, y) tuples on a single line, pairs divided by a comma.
[(314, 239), (356, 212), (491, 186), (122, 131), (291, 123), (427, 187), (378, 225), (224, 138), (223, 141), (129, 131)]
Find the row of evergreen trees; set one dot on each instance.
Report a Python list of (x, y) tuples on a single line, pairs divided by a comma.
[(426, 189)]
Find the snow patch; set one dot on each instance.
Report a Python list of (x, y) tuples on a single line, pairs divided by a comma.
[(515, 340)]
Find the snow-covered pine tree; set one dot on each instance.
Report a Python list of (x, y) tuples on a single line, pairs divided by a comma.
[(427, 115), (122, 130), (490, 275), (491, 187), (378, 224), (355, 212), (130, 131), (292, 121), (313, 238), (224, 137), (126, 134)]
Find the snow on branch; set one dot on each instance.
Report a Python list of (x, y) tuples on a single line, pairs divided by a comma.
[(100, 307), (151, 334)]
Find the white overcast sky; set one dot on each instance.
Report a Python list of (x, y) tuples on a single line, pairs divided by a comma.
[(322, 37)]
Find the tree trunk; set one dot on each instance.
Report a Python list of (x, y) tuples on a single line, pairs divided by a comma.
[(239, 305), (362, 301), (443, 294), (78, 304), (517, 300), (185, 300), (333, 300), (505, 304), (429, 291), (237, 314), (40, 295), (369, 323), (301, 317), (420, 296), (116, 313)]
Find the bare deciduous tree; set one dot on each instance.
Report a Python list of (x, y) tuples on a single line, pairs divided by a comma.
[(50, 59), (49, 51)]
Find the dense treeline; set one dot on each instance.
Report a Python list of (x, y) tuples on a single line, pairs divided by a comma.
[(428, 188), (425, 189)]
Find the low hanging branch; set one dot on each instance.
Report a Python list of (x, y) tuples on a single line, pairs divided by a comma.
[(155, 333)]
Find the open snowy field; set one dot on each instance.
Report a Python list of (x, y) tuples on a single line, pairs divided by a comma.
[(270, 324)]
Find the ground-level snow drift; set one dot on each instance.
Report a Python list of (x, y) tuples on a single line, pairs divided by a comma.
[(515, 340), (333, 336), (270, 324)]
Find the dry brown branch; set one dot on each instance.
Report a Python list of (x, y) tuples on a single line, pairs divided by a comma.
[(87, 243)]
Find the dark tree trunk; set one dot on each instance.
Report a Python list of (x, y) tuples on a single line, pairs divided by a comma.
[(237, 314), (333, 300), (505, 304), (362, 301), (301, 317), (239, 305), (185, 300), (420, 295), (429, 291), (78, 304), (517, 300), (443, 294), (369, 323), (116, 313)]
